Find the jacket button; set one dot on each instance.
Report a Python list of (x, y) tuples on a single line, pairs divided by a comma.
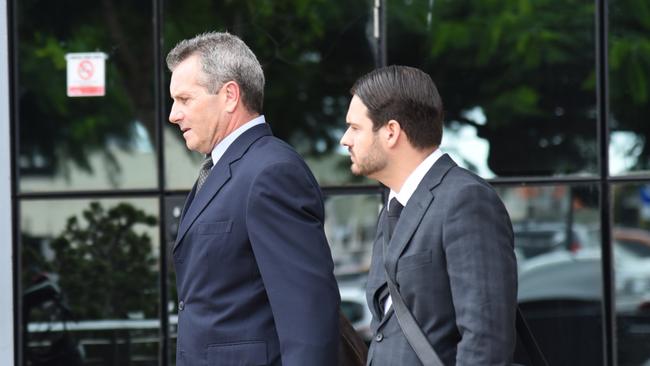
[(379, 337), (181, 305)]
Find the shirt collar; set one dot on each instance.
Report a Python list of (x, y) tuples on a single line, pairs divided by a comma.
[(413, 180), (224, 144)]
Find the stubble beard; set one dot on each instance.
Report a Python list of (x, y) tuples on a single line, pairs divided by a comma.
[(374, 162)]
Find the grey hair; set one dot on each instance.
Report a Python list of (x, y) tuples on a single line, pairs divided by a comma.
[(224, 57)]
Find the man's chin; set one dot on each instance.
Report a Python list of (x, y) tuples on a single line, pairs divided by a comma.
[(192, 146), (356, 171)]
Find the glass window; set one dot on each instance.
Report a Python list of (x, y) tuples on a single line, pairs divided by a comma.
[(350, 227), (629, 92), (516, 78), (631, 246), (85, 143), (90, 280), (558, 247), (311, 54), (518, 81)]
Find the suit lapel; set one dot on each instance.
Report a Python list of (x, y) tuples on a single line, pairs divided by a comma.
[(406, 226), (410, 219), (414, 211), (377, 257), (188, 200), (220, 174)]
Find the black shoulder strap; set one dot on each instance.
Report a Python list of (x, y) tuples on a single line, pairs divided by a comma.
[(411, 329), (423, 348), (527, 339)]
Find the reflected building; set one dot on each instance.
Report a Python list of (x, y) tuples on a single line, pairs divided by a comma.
[(547, 100)]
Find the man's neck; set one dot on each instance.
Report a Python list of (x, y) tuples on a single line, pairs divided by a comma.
[(239, 120), (402, 165)]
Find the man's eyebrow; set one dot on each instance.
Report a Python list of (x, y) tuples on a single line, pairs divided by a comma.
[(182, 94)]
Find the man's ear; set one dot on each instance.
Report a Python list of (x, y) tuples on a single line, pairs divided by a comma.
[(232, 94), (393, 132)]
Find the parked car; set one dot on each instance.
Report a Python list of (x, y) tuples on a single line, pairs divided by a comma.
[(635, 241), (533, 238), (561, 292)]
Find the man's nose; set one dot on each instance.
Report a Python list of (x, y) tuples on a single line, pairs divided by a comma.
[(175, 115), (344, 139)]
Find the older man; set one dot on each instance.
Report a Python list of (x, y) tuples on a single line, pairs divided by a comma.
[(254, 271)]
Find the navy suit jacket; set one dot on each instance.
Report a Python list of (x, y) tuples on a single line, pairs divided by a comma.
[(452, 257), (254, 270)]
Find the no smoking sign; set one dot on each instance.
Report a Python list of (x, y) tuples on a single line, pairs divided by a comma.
[(86, 74)]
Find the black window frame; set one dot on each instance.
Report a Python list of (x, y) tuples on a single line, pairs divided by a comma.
[(603, 179)]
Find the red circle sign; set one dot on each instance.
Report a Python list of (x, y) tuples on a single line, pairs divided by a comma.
[(85, 69)]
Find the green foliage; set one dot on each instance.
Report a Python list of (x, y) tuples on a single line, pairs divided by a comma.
[(105, 265), (528, 64), (629, 76), (55, 128), (311, 52)]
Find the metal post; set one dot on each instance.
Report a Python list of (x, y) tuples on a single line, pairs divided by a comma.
[(7, 201), (159, 95), (602, 98), (379, 32)]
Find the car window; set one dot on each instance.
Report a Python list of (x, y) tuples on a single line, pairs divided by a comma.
[(636, 248)]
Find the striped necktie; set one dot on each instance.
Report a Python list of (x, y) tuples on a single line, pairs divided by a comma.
[(204, 172)]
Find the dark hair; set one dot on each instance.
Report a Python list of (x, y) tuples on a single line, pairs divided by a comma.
[(224, 57), (406, 95)]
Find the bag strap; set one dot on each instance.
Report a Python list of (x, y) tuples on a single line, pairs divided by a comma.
[(424, 350), (352, 349), (411, 329), (532, 348)]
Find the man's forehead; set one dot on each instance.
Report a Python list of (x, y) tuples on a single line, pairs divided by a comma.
[(357, 106), (189, 67), (184, 78)]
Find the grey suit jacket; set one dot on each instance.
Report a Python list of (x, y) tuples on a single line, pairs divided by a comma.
[(452, 257)]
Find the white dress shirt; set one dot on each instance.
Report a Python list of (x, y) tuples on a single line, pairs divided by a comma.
[(408, 188), (224, 144)]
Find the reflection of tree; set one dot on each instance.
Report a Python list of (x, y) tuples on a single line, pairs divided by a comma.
[(629, 59), (311, 52), (106, 269), (529, 66), (55, 128)]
